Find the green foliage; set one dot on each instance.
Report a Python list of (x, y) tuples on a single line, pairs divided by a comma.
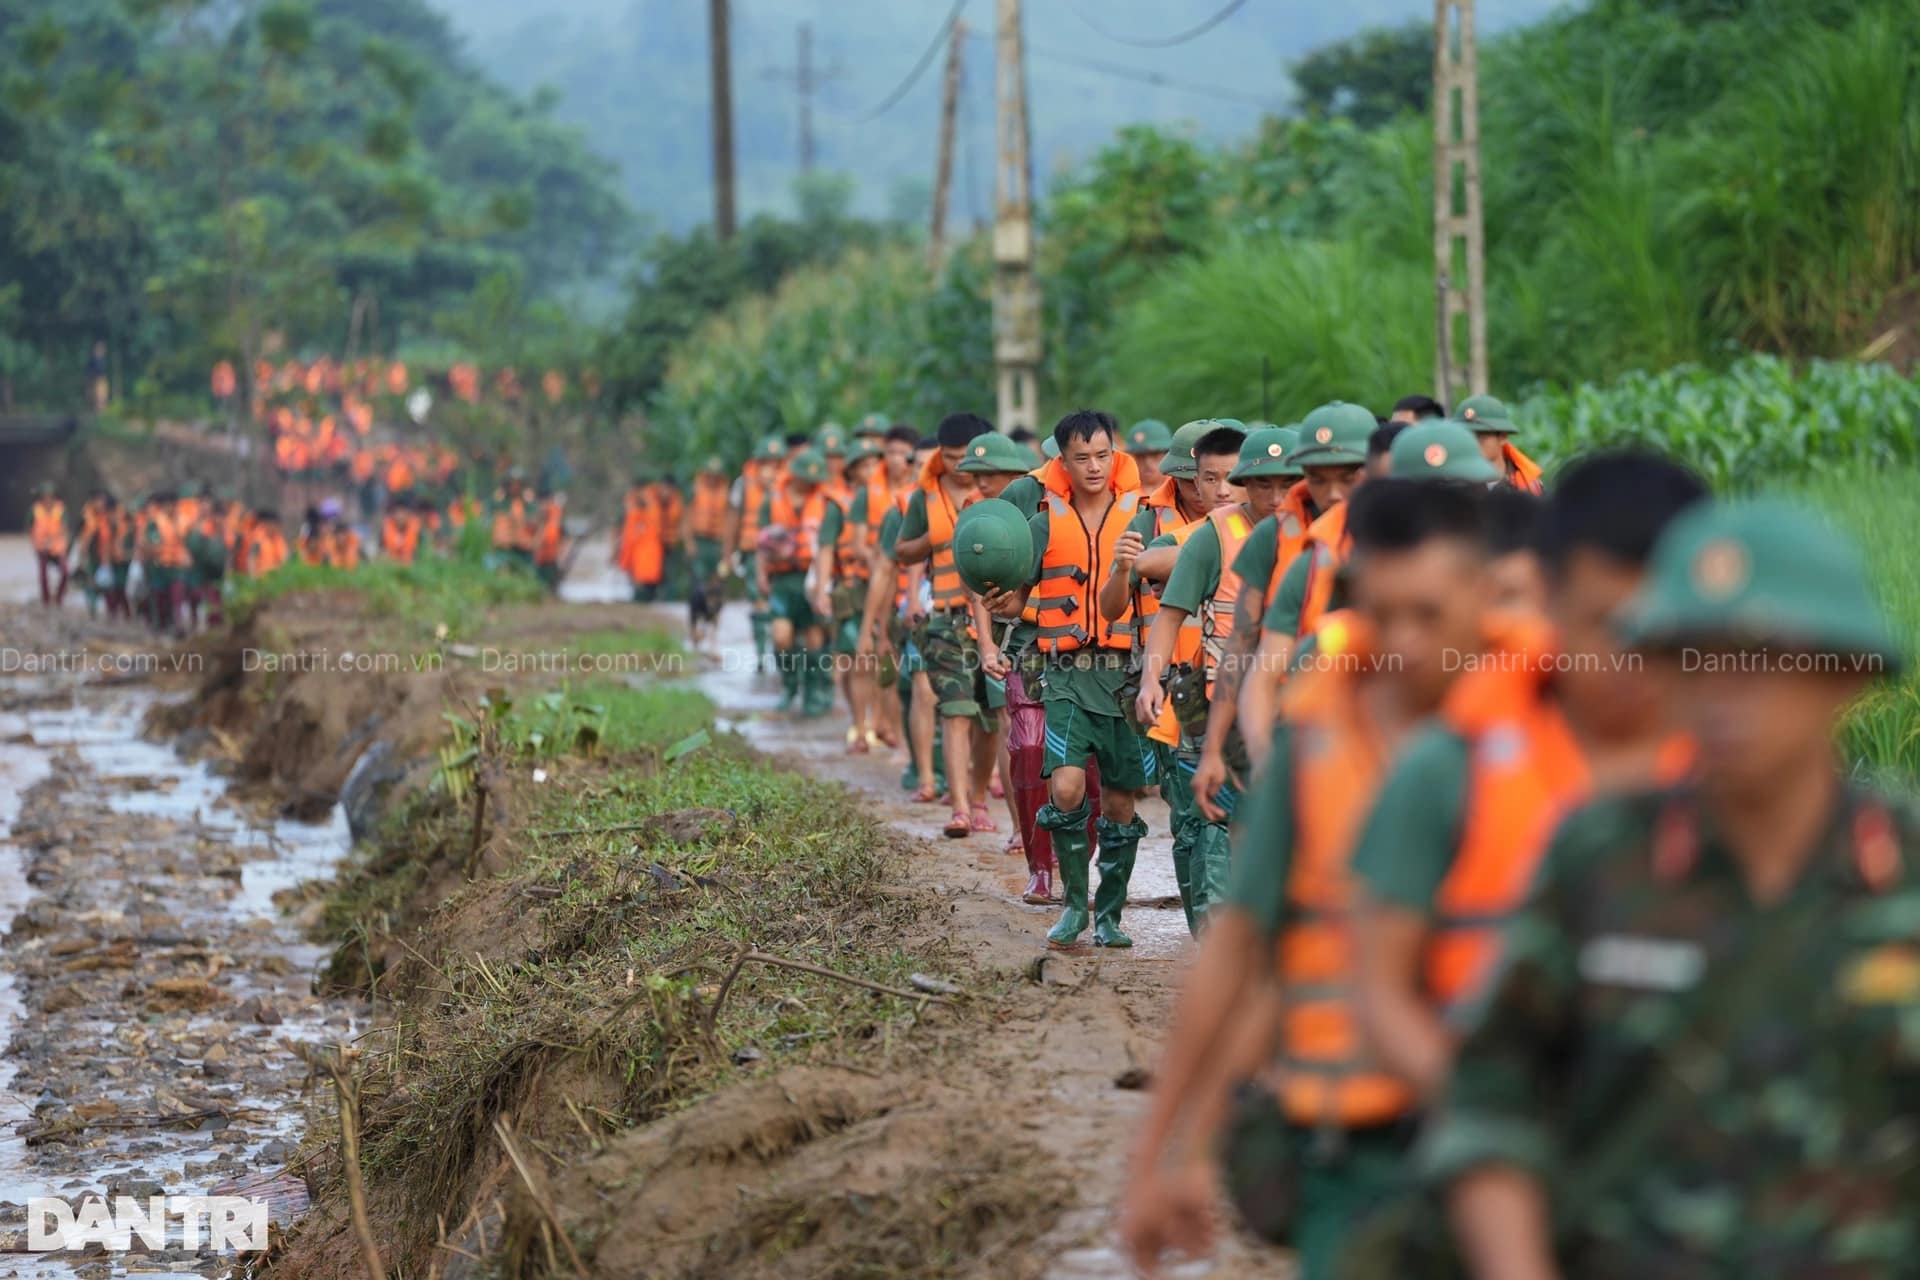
[(1758, 421), (187, 180), (1377, 75), (434, 598)]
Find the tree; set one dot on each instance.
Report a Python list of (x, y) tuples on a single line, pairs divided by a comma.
[(1373, 77)]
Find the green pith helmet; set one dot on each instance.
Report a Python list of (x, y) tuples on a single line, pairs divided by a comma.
[(1335, 435), (1264, 453), (862, 450), (1291, 435), (772, 449), (1439, 449), (1179, 461), (831, 440), (1049, 448), (810, 466), (1149, 435), (872, 424), (1760, 572), (992, 546), (993, 453), (1486, 414), (714, 465), (188, 489)]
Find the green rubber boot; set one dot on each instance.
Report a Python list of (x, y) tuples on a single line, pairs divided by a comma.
[(1176, 785), (1071, 851), (762, 639), (1212, 854), (790, 662), (1119, 842), (818, 676)]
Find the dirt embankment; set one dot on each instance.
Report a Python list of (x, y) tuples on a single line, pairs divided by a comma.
[(593, 1051)]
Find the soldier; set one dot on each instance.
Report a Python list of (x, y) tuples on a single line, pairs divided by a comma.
[(844, 588), (952, 641), (892, 604), (1694, 1058), (266, 544), (706, 526), (549, 538), (1148, 441), (1332, 454), (49, 529), (513, 527), (93, 548), (748, 497), (1091, 497), (874, 659), (1416, 408), (1197, 469), (164, 560), (1539, 720), (1380, 448), (1336, 1122), (1495, 428), (789, 542), (207, 559), (400, 533)]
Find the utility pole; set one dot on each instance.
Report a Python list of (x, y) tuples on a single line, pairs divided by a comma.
[(943, 168), (721, 73), (1459, 238), (1016, 294), (807, 82)]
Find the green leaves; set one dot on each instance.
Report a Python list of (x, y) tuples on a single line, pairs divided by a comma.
[(286, 28)]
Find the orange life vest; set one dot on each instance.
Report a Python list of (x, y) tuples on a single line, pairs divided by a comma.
[(708, 517), (851, 549), (943, 571), (753, 496), (1329, 546), (671, 506), (266, 549), (170, 545), (1232, 525), (1164, 502), (902, 574), (1186, 651), (805, 522), (400, 536), (1526, 768), (343, 548), (552, 515), (1523, 473), (188, 512), (1325, 1073), (1066, 600), (96, 532), (510, 528), (400, 473), (50, 527), (361, 468)]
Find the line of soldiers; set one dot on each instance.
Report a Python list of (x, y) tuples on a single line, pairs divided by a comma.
[(188, 544)]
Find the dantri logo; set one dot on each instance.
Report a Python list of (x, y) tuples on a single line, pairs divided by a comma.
[(221, 1222)]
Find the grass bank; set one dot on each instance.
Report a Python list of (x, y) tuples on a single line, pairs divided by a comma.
[(652, 913)]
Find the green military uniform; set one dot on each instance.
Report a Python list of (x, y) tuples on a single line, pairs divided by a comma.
[(950, 654), (806, 675), (1348, 1173), (910, 663), (771, 449), (1081, 692), (1703, 1083), (995, 454), (708, 553)]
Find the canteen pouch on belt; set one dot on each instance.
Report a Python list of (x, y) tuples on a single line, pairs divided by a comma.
[(1187, 691), (1129, 691)]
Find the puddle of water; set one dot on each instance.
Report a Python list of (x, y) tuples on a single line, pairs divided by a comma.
[(20, 768)]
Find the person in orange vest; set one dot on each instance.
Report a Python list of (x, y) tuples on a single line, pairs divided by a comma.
[(122, 525), (93, 550), (747, 499), (400, 473), (788, 548), (1495, 428), (361, 469), (266, 544), (1558, 716), (706, 533), (954, 637), (514, 533), (165, 561), (550, 539), (892, 599), (400, 532), (50, 542), (851, 534), (340, 544), (1092, 495), (671, 509), (1266, 1036), (207, 564), (892, 478), (641, 551), (311, 542)]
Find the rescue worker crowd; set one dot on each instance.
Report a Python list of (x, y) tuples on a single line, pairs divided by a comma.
[(1542, 932)]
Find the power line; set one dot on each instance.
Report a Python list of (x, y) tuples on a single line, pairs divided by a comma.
[(1141, 75), (919, 68), (1169, 41)]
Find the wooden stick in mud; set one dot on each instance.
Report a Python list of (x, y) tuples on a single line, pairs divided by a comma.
[(549, 1215), (348, 1093), (749, 952)]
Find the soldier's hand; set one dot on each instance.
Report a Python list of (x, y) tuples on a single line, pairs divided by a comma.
[(993, 662), (1208, 777), (1126, 550), (1146, 707), (1164, 1214), (1004, 604)]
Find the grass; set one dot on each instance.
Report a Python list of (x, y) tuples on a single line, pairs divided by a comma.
[(601, 951), (433, 592), (1877, 506)]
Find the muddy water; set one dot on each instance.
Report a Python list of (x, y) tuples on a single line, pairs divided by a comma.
[(148, 978)]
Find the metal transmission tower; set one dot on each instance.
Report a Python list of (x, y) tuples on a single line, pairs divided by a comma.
[(807, 80), (1016, 294), (721, 74), (943, 167), (1459, 241)]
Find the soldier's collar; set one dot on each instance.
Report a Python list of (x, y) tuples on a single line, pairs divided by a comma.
[(1861, 824)]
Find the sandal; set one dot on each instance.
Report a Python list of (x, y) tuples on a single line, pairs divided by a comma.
[(958, 826), (924, 795), (1016, 846), (981, 819)]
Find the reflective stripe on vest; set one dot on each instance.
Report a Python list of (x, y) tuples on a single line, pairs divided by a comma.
[(1065, 601), (1329, 545), (942, 570), (1326, 1074), (708, 518), (1232, 526), (1526, 768), (50, 527)]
